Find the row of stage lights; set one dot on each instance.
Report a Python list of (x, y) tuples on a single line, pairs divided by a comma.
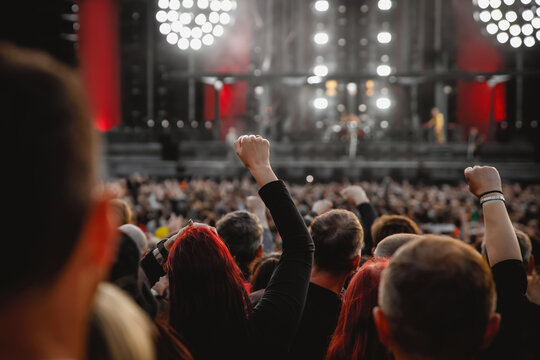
[(516, 22), (192, 24), (321, 70)]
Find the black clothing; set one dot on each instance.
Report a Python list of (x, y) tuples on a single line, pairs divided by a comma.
[(520, 319), (317, 325), (274, 320), (367, 216)]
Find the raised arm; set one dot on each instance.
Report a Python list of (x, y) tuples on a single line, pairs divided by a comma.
[(357, 196), (501, 241), (274, 320)]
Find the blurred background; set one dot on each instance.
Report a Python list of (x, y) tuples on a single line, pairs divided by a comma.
[(356, 89)]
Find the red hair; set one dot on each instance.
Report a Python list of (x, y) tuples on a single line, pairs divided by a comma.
[(208, 305), (355, 336)]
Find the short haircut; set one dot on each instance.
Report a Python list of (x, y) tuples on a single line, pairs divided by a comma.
[(262, 271), (338, 238), (387, 225), (123, 211), (525, 246), (242, 233), (437, 295), (53, 172), (389, 245)]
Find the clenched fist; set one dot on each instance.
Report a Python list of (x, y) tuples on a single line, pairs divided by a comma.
[(482, 179), (254, 151), (355, 194)]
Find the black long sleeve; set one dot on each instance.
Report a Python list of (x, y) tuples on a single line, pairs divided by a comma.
[(152, 269), (275, 319), (519, 332), (367, 217)]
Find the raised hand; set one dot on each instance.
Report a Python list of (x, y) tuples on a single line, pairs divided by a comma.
[(355, 194), (483, 179), (254, 151), (322, 206)]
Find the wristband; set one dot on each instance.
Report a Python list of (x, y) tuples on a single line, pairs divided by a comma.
[(489, 192), (161, 247), (492, 198)]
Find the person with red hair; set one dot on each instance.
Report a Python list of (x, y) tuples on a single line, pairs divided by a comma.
[(209, 306), (355, 336)]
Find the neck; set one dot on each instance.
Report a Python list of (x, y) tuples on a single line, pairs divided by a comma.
[(328, 280), (48, 322)]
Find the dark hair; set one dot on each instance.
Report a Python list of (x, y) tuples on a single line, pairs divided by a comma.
[(242, 232), (209, 305), (355, 336), (262, 271), (338, 238), (525, 246), (53, 170), (387, 225), (390, 244), (437, 295)]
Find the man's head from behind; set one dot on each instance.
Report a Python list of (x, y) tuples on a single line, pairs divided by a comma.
[(437, 300), (390, 244), (52, 175), (242, 232), (387, 225), (338, 238)]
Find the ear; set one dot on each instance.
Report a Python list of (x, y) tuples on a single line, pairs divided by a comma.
[(382, 326), (494, 323), (100, 233), (259, 252)]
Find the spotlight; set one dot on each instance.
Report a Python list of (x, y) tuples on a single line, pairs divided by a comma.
[(510, 21), (383, 103), (320, 70), (321, 5), (384, 4), (383, 70), (320, 103), (191, 24), (320, 38), (384, 37)]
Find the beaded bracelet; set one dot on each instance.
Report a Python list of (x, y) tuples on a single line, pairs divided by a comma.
[(492, 198)]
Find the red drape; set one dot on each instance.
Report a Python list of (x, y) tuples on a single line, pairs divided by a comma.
[(98, 39)]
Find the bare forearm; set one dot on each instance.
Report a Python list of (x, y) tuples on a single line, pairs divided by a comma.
[(501, 241), (263, 175)]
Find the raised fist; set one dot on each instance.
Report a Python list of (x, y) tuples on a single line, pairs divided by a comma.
[(254, 151), (322, 206), (355, 194), (483, 179)]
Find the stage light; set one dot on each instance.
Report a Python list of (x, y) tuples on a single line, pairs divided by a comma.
[(516, 42), (320, 103), (384, 37), (384, 4), (180, 124), (384, 70), (314, 80), (384, 124), (172, 38), (165, 123), (352, 89), (320, 70), (165, 28), (492, 28), (510, 21), (320, 38), (383, 103), (309, 179), (191, 24), (321, 5)]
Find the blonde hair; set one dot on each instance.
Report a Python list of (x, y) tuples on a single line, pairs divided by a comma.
[(125, 331)]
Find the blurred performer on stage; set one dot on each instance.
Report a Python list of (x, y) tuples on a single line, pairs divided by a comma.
[(437, 123)]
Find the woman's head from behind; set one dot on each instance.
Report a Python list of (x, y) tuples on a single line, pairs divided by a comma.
[(355, 336), (208, 302)]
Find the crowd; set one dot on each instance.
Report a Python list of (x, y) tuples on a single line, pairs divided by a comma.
[(201, 270)]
